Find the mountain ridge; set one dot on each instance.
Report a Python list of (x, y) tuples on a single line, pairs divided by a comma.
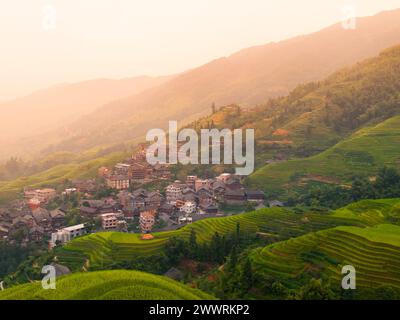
[(249, 77), (35, 116)]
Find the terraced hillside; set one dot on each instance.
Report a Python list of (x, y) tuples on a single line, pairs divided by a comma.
[(373, 251), (362, 153), (80, 168), (372, 212), (311, 119), (100, 249), (107, 285)]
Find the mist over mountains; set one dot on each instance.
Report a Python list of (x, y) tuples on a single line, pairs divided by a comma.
[(248, 77)]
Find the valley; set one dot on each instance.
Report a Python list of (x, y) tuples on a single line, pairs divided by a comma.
[(79, 192)]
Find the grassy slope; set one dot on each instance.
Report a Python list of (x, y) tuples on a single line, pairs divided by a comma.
[(277, 224), (315, 116), (362, 153), (373, 251), (348, 122), (107, 285), (372, 212), (83, 170)]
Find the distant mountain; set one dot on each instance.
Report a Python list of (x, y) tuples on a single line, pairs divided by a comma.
[(340, 115), (364, 98), (311, 119), (59, 106), (248, 77)]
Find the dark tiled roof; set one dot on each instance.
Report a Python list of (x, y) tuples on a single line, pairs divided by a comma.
[(239, 192), (255, 193)]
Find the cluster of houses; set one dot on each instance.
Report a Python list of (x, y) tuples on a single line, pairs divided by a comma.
[(28, 220), (135, 170), (113, 221), (181, 202), (205, 195), (37, 197)]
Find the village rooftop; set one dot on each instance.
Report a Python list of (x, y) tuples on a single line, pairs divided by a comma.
[(188, 152)]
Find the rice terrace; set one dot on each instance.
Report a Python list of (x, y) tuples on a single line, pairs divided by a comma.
[(197, 159)]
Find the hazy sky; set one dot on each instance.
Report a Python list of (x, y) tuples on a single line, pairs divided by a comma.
[(89, 39)]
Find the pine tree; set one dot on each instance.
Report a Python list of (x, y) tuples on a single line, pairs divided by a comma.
[(193, 248), (232, 260), (213, 108), (237, 240), (246, 276), (216, 248)]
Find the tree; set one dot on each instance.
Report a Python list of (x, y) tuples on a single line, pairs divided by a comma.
[(232, 260), (86, 204), (175, 249), (315, 290), (237, 235), (217, 248), (278, 289), (387, 183), (246, 276), (193, 247), (362, 189), (309, 130), (387, 293), (213, 108)]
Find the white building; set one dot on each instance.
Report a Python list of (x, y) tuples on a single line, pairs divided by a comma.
[(122, 166), (189, 207), (173, 193), (43, 195), (69, 191), (119, 182), (185, 219), (147, 220), (67, 234), (109, 221)]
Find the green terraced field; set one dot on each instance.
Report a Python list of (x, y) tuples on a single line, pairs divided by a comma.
[(371, 212), (362, 153), (101, 249), (9, 190), (373, 251), (107, 285)]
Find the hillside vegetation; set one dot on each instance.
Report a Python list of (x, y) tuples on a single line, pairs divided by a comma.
[(107, 285), (248, 77), (56, 175), (298, 245), (358, 99), (363, 154), (309, 266), (102, 249), (330, 130), (373, 251), (311, 119)]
